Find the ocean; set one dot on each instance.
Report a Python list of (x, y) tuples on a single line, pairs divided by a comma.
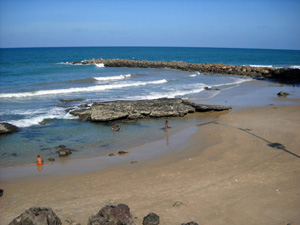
[(34, 80)]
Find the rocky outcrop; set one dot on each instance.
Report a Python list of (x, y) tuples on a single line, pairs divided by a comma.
[(6, 128), (190, 223), (287, 75), (282, 94), (151, 219), (37, 216), (112, 215), (108, 215), (63, 151), (132, 110)]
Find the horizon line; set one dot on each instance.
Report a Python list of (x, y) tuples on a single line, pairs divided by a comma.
[(132, 46)]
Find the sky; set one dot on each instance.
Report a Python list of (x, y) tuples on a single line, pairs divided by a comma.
[(266, 24)]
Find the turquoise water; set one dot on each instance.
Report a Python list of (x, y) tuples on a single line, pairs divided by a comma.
[(33, 80)]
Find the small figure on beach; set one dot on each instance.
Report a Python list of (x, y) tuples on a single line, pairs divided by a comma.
[(39, 160), (39, 163), (116, 128), (133, 58), (166, 126)]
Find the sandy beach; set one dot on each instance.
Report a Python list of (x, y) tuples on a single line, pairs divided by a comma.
[(111, 114), (242, 168)]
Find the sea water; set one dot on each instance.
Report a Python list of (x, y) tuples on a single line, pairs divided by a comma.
[(34, 80)]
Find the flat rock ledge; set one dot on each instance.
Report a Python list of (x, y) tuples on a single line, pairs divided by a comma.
[(286, 75), (133, 110)]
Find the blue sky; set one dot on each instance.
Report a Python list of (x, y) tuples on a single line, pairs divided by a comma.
[(271, 24)]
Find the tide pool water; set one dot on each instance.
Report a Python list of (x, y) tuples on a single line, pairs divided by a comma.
[(34, 80)]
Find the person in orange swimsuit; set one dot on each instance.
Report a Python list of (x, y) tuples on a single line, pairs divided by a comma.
[(39, 163), (39, 160)]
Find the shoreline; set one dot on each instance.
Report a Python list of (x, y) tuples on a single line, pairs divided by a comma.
[(248, 94), (224, 169), (137, 152), (217, 170)]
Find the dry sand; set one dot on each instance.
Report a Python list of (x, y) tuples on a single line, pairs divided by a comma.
[(237, 170)]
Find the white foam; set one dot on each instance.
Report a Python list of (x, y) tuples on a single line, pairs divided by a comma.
[(156, 95), (120, 77), (267, 66), (295, 67), (237, 81), (36, 119), (65, 63), (82, 89), (100, 65), (69, 63), (23, 112), (195, 74)]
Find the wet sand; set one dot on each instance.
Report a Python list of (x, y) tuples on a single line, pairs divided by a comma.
[(242, 168)]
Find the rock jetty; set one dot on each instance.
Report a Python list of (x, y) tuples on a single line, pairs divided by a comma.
[(132, 110), (286, 75)]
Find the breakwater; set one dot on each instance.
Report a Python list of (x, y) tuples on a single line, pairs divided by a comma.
[(286, 75)]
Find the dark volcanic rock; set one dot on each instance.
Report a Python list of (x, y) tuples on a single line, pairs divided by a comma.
[(37, 216), (63, 151), (190, 223), (122, 153), (6, 128), (112, 215), (151, 219)]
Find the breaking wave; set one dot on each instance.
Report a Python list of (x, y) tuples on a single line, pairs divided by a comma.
[(295, 67), (100, 65), (39, 116), (81, 89), (120, 77)]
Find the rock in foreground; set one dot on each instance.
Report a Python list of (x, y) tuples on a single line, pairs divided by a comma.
[(132, 110), (37, 216), (151, 219), (112, 215), (190, 223)]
